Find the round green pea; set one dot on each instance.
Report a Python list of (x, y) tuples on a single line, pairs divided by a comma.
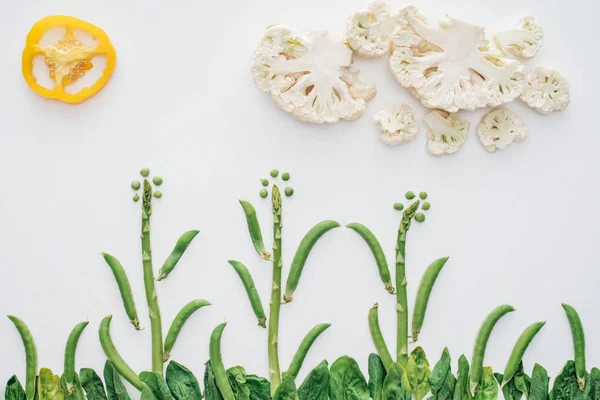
[(135, 185), (158, 194), (157, 180), (410, 195), (285, 176), (145, 172), (136, 198), (289, 191), (420, 217), (263, 193), (398, 206), (426, 206), (274, 173), (423, 195), (264, 182)]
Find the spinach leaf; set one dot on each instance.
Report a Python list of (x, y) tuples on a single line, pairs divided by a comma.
[(594, 384), (147, 394), (376, 376), (157, 385), (182, 383), (488, 387), (461, 389), (237, 380), (396, 385), (316, 384), (346, 382), (517, 386), (260, 388), (211, 390), (565, 385), (14, 390), (539, 383), (418, 373), (439, 373), (49, 386), (522, 381), (446, 392), (287, 390), (115, 390), (92, 384)]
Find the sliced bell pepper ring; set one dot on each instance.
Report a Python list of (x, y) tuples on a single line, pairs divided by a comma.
[(68, 59)]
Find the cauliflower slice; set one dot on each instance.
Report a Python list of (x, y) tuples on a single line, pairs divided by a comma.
[(307, 75), (369, 32), (397, 124), (499, 128), (546, 90), (524, 41), (453, 67), (446, 132)]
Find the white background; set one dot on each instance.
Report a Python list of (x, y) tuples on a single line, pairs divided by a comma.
[(520, 226)]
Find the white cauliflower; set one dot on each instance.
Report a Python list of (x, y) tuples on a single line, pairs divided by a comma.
[(446, 132), (369, 32), (499, 128), (397, 124), (524, 41), (453, 67), (307, 75), (546, 90)]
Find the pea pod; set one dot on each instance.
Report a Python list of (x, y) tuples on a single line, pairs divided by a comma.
[(302, 254), (216, 363), (578, 344), (180, 247), (182, 316), (70, 349), (254, 229), (519, 350), (253, 296), (124, 288), (305, 345), (30, 356), (422, 300), (377, 336)]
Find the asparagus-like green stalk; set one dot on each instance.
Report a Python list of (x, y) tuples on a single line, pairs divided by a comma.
[(151, 297), (273, 344), (401, 297)]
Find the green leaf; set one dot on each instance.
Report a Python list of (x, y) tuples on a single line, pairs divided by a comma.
[(539, 383), (182, 383), (418, 373), (594, 384), (396, 385), (92, 384), (115, 390), (522, 381), (49, 386), (446, 392), (565, 385), (260, 388), (376, 376), (287, 390), (14, 390), (157, 385), (72, 390), (510, 389), (316, 384), (147, 394), (237, 380), (461, 389), (488, 387), (439, 373), (211, 390), (346, 382)]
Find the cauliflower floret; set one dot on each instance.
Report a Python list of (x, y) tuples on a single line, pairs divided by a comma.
[(546, 90), (397, 124), (304, 73), (499, 128), (369, 32), (446, 132), (357, 88), (524, 41), (453, 67)]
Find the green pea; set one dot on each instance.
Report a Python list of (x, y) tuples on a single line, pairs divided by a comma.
[(423, 195), (145, 172), (136, 198), (398, 206), (285, 176), (420, 217), (157, 180), (158, 194), (264, 182), (426, 206), (274, 173), (410, 195), (289, 191), (264, 193), (135, 185)]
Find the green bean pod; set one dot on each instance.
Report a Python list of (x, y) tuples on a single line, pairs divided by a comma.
[(422, 300), (578, 344), (253, 296), (378, 339), (519, 350), (124, 288), (371, 240), (70, 349), (182, 316), (254, 230), (114, 357), (305, 345), (180, 247), (30, 356), (481, 343), (302, 254), (217, 363)]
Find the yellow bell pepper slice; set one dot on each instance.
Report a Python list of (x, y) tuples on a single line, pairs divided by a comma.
[(68, 59)]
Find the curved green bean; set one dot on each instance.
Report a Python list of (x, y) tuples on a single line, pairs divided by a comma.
[(253, 296), (302, 253), (254, 229), (124, 288), (115, 358), (519, 350), (70, 349), (30, 356), (216, 363), (305, 345), (180, 247), (371, 240), (182, 316), (481, 343), (422, 300), (377, 336), (578, 344)]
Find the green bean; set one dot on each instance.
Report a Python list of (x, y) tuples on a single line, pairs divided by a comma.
[(371, 240), (253, 296), (157, 180), (254, 229), (289, 191), (124, 288), (30, 356), (302, 253), (305, 345), (217, 363), (158, 194), (182, 316), (285, 176), (274, 173), (377, 336), (115, 358), (135, 185), (578, 344), (145, 172), (70, 349), (481, 343), (180, 247), (519, 350), (422, 300)]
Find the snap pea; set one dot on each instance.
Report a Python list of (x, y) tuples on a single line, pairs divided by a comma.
[(178, 322), (519, 350), (70, 349), (180, 247), (422, 299), (302, 253), (253, 296), (371, 240), (30, 356), (377, 336), (216, 363), (254, 229), (305, 345), (578, 344), (124, 288)]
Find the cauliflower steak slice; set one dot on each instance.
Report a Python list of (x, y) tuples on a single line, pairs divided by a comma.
[(369, 32), (546, 90), (524, 41)]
